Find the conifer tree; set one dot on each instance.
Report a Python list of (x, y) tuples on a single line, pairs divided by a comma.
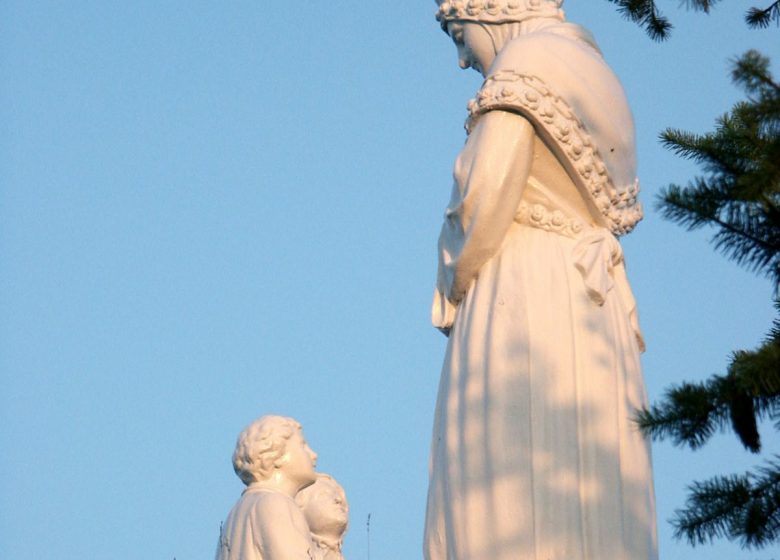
[(738, 195)]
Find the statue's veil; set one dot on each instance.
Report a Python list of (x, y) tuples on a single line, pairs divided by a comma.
[(502, 34)]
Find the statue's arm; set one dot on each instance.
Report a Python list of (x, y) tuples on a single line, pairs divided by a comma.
[(497, 162)]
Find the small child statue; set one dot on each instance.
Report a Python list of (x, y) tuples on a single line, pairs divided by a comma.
[(274, 461), (324, 505)]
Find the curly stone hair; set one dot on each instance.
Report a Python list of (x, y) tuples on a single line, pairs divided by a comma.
[(260, 446)]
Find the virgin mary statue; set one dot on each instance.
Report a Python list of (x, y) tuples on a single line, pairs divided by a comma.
[(534, 453)]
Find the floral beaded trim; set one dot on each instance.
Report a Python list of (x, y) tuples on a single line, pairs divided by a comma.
[(555, 221), (513, 90), (496, 11)]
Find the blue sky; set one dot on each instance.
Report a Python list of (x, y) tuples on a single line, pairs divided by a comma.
[(213, 211)]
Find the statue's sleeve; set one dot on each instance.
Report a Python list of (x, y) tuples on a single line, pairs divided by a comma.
[(283, 531), (490, 175)]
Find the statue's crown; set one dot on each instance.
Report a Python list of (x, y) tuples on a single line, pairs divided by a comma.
[(496, 11)]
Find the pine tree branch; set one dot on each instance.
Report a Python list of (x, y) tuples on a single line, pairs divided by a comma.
[(751, 70), (758, 18), (700, 5), (686, 208), (721, 153), (646, 14), (740, 194), (690, 413), (686, 414), (743, 508)]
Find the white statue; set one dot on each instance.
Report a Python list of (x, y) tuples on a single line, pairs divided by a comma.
[(534, 453), (324, 505), (274, 461)]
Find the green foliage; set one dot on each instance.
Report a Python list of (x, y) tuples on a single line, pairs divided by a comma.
[(743, 508), (756, 17), (738, 195), (646, 14), (690, 413)]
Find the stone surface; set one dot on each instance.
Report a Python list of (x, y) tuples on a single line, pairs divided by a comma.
[(534, 453), (273, 459), (324, 505)]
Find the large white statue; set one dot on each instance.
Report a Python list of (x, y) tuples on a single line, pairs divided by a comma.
[(324, 505), (534, 453), (274, 461)]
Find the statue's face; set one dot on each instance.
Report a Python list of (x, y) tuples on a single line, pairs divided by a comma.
[(299, 460), (326, 511), (475, 46)]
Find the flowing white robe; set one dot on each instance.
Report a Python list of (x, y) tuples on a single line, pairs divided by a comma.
[(534, 453)]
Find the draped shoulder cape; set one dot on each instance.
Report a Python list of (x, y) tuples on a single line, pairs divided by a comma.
[(558, 80)]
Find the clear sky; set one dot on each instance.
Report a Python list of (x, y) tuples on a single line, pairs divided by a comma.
[(211, 211)]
